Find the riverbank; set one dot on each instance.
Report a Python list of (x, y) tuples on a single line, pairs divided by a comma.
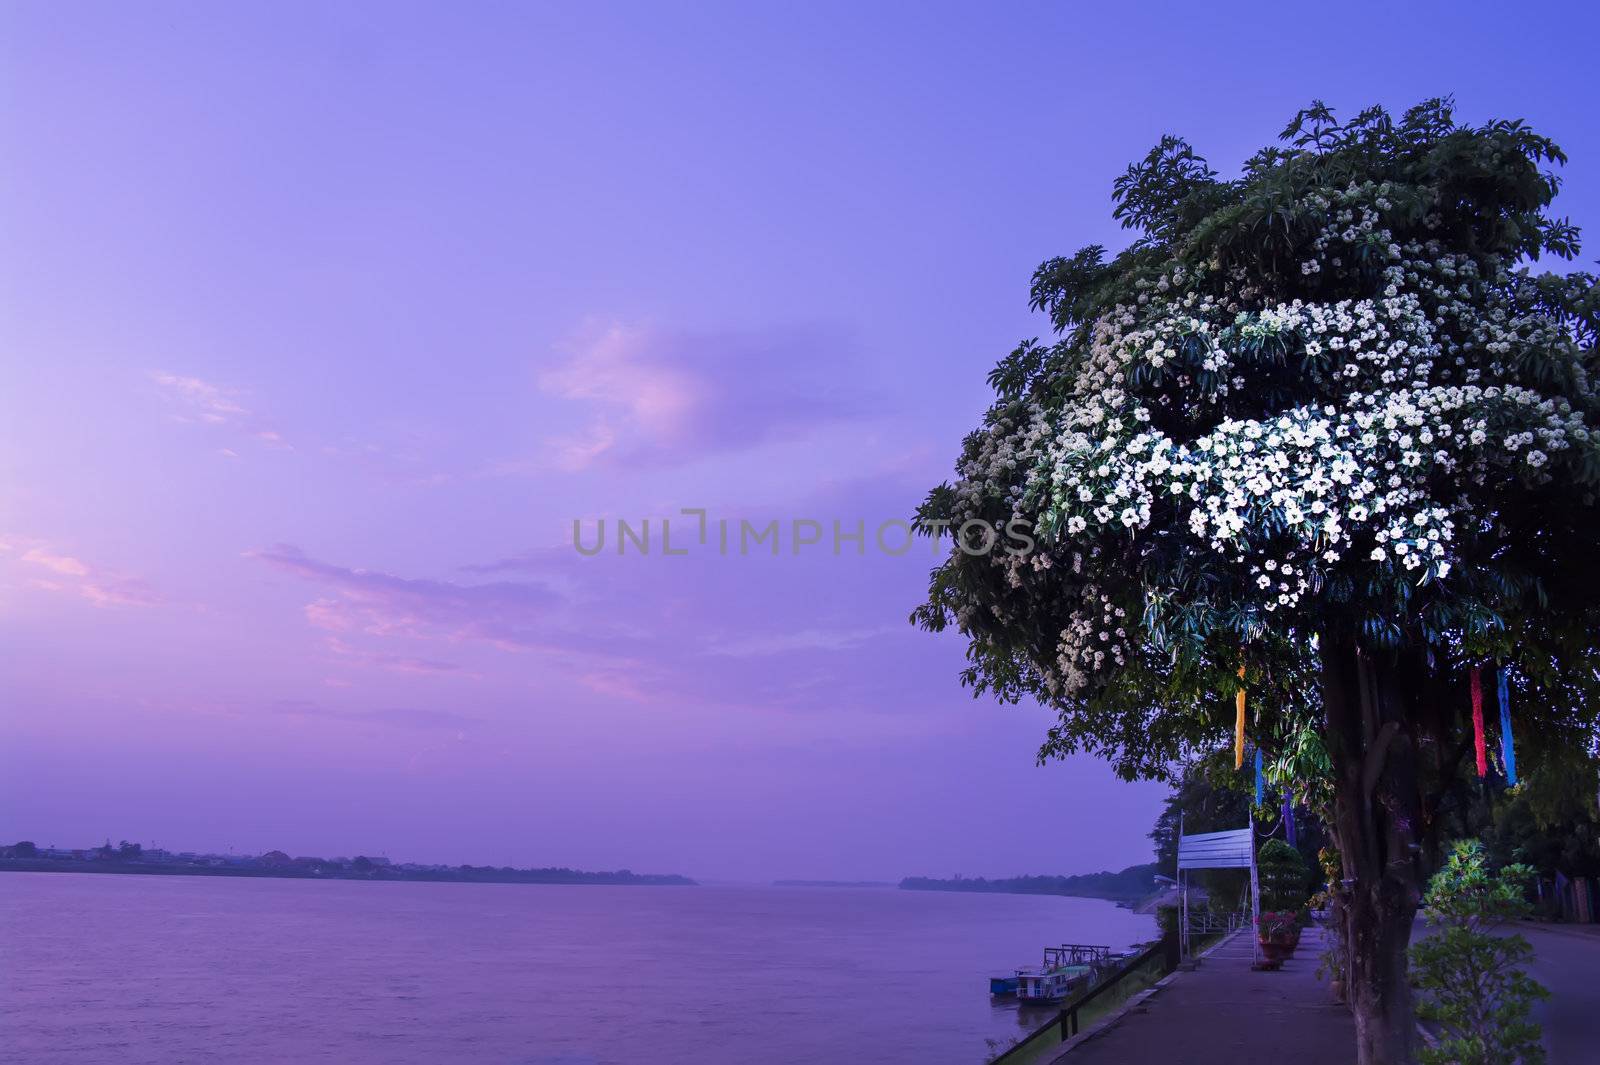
[(316, 869)]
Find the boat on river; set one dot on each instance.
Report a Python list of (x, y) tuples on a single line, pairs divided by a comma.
[(1065, 971), (1042, 987)]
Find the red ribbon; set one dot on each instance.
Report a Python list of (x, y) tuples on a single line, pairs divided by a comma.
[(1477, 724)]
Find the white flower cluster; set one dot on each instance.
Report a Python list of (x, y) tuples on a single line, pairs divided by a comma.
[(1420, 399)]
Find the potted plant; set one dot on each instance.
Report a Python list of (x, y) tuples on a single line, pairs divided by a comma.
[(1282, 873), (1275, 934), (1296, 926)]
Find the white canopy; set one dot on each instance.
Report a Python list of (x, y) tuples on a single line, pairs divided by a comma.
[(1217, 850)]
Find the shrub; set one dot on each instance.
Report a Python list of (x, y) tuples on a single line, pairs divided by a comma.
[(1469, 976), (1282, 873)]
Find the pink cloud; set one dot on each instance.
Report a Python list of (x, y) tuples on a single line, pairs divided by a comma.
[(118, 592), (509, 614), (613, 685), (621, 368), (74, 576), (657, 397), (210, 403), (703, 634), (63, 564), (215, 405)]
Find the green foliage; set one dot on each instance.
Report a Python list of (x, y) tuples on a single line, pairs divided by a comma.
[(1331, 962), (1324, 398), (1549, 820), (1469, 975)]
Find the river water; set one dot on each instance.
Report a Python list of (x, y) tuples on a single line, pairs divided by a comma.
[(99, 968)]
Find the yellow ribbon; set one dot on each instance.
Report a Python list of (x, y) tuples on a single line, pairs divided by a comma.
[(1238, 724)]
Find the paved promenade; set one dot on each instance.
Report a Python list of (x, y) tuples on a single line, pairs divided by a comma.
[(1224, 1014), (1567, 961)]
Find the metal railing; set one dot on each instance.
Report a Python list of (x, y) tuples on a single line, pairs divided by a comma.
[(1164, 951), (1075, 954), (1205, 924)]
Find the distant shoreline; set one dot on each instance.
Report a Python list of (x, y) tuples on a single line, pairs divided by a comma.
[(385, 874), (1125, 888)]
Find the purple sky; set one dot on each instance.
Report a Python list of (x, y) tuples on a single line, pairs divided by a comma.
[(322, 324)]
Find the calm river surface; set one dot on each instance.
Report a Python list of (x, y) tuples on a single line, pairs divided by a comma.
[(112, 968)]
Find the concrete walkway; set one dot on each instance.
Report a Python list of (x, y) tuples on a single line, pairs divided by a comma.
[(1222, 1013), (1567, 961)]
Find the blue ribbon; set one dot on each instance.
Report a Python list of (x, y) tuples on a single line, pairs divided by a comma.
[(1506, 748), (1288, 818), (1260, 782)]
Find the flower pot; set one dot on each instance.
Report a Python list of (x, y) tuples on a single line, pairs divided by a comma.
[(1337, 987)]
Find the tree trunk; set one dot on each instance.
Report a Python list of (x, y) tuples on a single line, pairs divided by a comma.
[(1371, 737)]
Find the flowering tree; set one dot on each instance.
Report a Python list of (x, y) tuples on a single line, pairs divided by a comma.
[(1317, 423)]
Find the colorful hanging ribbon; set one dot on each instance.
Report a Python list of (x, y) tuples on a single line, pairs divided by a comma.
[(1260, 782), (1507, 751), (1238, 724), (1477, 724), (1288, 819)]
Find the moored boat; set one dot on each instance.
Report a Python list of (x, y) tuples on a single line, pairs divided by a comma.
[(1002, 985), (1066, 970), (1045, 986)]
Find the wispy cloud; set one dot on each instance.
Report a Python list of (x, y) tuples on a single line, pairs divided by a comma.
[(397, 662), (512, 614), (57, 571), (63, 564), (206, 403), (125, 591), (659, 397), (699, 635)]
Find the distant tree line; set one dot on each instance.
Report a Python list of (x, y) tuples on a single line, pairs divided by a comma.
[(1132, 883), (125, 857)]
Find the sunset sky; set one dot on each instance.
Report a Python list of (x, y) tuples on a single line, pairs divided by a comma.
[(321, 325)]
